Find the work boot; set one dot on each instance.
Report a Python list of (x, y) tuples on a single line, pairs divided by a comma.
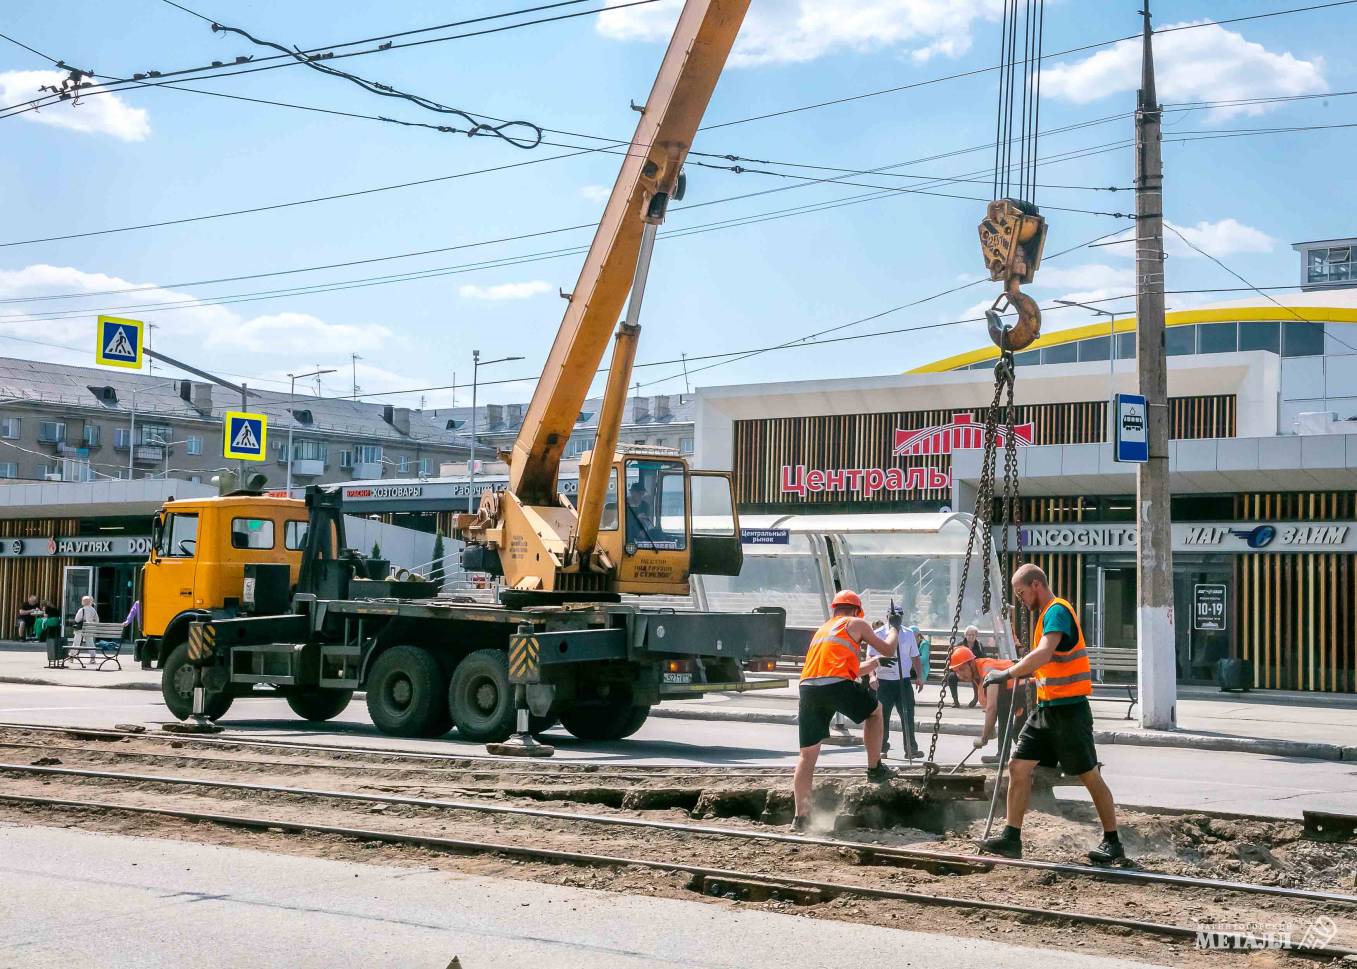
[(1003, 844), (880, 774), (1108, 851), (801, 824)]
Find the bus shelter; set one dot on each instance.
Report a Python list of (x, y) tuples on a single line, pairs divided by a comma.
[(799, 562)]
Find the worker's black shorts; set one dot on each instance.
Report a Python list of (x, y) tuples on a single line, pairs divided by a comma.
[(1061, 734), (820, 703)]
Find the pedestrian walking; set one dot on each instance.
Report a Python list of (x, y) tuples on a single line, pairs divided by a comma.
[(898, 678), (830, 684), (1061, 730)]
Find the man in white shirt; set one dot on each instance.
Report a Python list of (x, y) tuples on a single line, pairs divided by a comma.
[(894, 677)]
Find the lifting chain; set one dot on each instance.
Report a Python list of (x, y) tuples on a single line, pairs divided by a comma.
[(982, 522)]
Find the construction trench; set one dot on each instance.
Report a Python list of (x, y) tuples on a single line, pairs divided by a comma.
[(900, 854)]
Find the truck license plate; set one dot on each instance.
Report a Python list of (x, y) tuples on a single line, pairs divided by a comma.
[(678, 677)]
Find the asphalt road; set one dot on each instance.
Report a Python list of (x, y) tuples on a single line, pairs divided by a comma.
[(75, 898), (1157, 777)]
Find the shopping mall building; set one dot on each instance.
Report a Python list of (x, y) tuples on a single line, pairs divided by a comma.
[(1263, 464)]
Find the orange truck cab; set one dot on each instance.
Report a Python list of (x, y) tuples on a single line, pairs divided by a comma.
[(199, 552)]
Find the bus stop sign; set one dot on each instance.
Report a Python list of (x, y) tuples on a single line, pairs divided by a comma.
[(1132, 443)]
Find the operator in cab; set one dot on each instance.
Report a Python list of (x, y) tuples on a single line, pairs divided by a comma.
[(831, 682)]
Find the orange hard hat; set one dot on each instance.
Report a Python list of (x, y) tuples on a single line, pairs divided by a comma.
[(960, 657), (848, 598)]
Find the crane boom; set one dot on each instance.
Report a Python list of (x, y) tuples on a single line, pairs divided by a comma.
[(687, 76)]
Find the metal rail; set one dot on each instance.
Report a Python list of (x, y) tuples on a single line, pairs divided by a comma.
[(871, 851), (827, 889), (469, 761)]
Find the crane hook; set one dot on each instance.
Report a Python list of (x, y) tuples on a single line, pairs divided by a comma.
[(1021, 334)]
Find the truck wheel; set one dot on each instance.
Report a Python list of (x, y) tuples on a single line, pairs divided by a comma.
[(407, 694), (480, 698), (604, 721), (319, 705), (176, 686)]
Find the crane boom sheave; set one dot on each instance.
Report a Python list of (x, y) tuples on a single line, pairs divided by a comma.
[(697, 53)]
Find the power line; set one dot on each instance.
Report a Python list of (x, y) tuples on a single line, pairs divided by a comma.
[(882, 191), (501, 262)]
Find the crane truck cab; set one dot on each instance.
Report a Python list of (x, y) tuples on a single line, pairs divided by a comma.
[(200, 550)]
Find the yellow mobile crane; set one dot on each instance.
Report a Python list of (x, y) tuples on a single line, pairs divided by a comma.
[(559, 645), (632, 529)]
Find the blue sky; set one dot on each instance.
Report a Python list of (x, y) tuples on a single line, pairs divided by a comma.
[(150, 155)]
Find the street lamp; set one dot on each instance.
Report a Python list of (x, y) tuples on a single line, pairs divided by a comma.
[(476, 364), (1111, 349), (292, 392)]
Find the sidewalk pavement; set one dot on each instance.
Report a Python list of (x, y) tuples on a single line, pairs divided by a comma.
[(1319, 726)]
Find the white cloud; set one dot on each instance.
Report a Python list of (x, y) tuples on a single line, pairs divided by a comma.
[(796, 31), (297, 333), (102, 114), (504, 291), (596, 193), (1226, 237), (217, 327), (1206, 63)]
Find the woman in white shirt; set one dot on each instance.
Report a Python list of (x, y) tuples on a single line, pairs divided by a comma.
[(86, 612)]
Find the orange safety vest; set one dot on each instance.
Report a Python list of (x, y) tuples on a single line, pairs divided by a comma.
[(832, 652), (1066, 674), (986, 665)]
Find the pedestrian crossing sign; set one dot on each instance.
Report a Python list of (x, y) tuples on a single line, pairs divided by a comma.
[(244, 436), (118, 342)]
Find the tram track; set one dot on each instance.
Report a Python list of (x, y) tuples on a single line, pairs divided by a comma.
[(706, 879), (872, 852)]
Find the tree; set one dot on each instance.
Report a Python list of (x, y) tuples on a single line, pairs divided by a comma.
[(376, 550), (436, 573)]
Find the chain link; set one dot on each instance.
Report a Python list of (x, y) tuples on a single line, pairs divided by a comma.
[(982, 522)]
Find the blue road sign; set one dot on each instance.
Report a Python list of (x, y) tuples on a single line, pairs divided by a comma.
[(1132, 443), (118, 342), (244, 436)]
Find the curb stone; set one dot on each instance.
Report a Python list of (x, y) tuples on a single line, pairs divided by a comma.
[(1179, 739)]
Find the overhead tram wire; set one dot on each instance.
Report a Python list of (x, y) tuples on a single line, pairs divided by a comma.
[(792, 345), (765, 116), (162, 78), (886, 192), (883, 192)]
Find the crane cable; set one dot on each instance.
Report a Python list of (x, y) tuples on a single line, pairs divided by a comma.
[(1017, 126)]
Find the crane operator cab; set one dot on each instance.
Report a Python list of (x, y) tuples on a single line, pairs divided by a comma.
[(646, 541)]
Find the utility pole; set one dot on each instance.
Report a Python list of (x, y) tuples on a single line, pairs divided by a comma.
[(354, 358), (1155, 639), (686, 388), (292, 393)]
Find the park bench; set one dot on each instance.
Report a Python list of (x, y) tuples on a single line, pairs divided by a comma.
[(96, 643), (1114, 659)]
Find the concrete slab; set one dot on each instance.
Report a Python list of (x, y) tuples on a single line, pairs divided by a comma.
[(167, 903)]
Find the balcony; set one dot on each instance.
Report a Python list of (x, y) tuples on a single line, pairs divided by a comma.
[(148, 453), (307, 467), (363, 470)]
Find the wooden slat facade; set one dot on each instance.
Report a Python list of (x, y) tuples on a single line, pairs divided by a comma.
[(763, 447), (1296, 614), (41, 575)]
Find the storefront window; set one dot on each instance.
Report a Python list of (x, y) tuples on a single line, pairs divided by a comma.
[(1094, 348), (1180, 341), (1303, 340), (1260, 336), (1218, 337)]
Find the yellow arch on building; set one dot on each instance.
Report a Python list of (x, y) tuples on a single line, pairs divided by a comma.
[(1242, 314)]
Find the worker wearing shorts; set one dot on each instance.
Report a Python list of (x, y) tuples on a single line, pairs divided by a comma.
[(1060, 732), (830, 684)]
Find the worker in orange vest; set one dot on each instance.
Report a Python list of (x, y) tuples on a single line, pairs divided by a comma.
[(1061, 729), (999, 705), (830, 684)]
